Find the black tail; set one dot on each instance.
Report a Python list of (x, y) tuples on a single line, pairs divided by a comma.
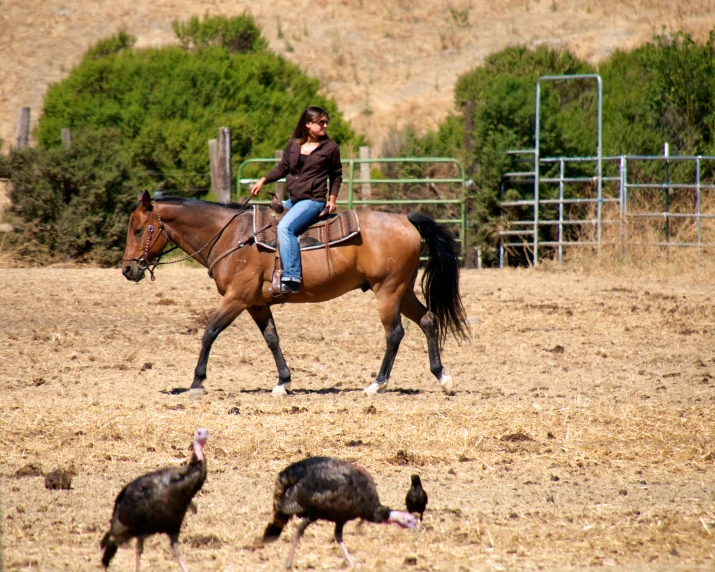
[(440, 281), (110, 549), (274, 529)]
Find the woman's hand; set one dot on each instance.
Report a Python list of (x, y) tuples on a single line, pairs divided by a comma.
[(256, 188), (331, 205)]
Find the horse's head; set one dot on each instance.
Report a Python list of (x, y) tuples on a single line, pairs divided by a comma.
[(145, 238)]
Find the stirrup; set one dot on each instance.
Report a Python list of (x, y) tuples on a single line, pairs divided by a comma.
[(276, 204)]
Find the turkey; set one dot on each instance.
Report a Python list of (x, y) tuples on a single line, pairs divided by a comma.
[(328, 489), (416, 499), (156, 503)]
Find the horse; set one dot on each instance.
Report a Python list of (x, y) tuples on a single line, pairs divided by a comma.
[(384, 257)]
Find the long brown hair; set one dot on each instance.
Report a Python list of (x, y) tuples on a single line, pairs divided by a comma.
[(310, 115)]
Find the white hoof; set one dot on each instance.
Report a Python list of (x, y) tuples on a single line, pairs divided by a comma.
[(446, 382), (281, 390), (375, 388), (196, 392)]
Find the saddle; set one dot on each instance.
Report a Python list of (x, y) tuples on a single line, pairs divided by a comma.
[(339, 227), (329, 230)]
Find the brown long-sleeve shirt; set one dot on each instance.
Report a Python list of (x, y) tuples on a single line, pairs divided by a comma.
[(310, 182)]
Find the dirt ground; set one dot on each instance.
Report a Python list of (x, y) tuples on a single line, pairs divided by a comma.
[(581, 434)]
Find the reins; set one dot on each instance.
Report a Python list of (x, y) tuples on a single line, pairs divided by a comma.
[(240, 245), (143, 260)]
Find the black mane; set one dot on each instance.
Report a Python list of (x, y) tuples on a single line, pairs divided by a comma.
[(189, 201)]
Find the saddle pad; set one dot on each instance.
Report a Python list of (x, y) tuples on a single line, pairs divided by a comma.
[(341, 227)]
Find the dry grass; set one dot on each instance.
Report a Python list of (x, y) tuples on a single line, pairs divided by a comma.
[(386, 62), (637, 246), (606, 382)]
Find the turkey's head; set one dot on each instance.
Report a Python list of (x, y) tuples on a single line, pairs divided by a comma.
[(402, 519), (200, 438)]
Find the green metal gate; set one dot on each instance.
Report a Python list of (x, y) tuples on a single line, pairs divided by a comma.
[(350, 180)]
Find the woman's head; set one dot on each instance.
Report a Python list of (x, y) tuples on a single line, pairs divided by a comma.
[(313, 121)]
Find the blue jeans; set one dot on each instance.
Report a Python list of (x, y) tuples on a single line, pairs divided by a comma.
[(300, 216)]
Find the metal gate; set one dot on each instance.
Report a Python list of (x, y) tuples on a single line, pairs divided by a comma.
[(573, 197), (459, 201), (665, 192)]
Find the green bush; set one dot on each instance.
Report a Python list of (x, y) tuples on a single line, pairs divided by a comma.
[(141, 119), (73, 203), (680, 76), (240, 34), (167, 103)]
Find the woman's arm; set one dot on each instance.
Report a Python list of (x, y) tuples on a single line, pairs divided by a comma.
[(335, 174), (278, 172)]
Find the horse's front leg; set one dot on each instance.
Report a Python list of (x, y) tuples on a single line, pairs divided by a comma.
[(264, 320), (226, 313)]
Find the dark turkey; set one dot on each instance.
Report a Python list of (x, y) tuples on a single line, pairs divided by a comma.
[(156, 503), (416, 499), (328, 489)]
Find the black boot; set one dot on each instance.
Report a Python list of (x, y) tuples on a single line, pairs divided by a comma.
[(290, 287)]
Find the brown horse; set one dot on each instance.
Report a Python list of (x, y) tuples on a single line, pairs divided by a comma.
[(384, 258)]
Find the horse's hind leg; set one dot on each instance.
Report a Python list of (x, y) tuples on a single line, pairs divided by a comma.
[(226, 313), (414, 310), (264, 320), (388, 304)]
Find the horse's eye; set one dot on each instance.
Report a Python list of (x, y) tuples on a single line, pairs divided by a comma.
[(138, 231)]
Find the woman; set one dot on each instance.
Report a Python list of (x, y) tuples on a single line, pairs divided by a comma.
[(309, 160)]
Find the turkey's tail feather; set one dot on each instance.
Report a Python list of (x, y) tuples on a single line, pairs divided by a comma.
[(274, 529), (110, 549)]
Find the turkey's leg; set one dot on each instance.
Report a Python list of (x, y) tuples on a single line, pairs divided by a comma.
[(298, 533), (339, 540), (175, 551), (140, 549)]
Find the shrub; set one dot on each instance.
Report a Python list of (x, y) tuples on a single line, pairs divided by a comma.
[(167, 103), (74, 202), (142, 118)]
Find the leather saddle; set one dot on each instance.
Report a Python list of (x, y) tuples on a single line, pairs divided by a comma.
[(339, 227)]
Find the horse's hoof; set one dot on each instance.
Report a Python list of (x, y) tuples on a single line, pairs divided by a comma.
[(446, 382), (374, 388), (281, 390), (196, 392)]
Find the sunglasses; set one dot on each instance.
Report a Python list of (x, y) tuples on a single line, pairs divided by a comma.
[(322, 123)]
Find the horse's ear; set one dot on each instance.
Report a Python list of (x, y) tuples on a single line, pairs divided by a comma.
[(145, 198)]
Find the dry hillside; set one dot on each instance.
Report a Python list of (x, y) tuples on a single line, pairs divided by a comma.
[(386, 62)]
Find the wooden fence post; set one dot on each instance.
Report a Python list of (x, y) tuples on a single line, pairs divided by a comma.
[(280, 187), (224, 165), (23, 128), (67, 137), (213, 164), (366, 191), (220, 165)]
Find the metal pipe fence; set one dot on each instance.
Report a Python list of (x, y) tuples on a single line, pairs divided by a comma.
[(352, 201), (664, 189)]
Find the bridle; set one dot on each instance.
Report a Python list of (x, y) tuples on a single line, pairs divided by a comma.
[(143, 260)]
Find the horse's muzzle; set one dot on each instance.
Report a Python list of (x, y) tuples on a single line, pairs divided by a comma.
[(133, 272)]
